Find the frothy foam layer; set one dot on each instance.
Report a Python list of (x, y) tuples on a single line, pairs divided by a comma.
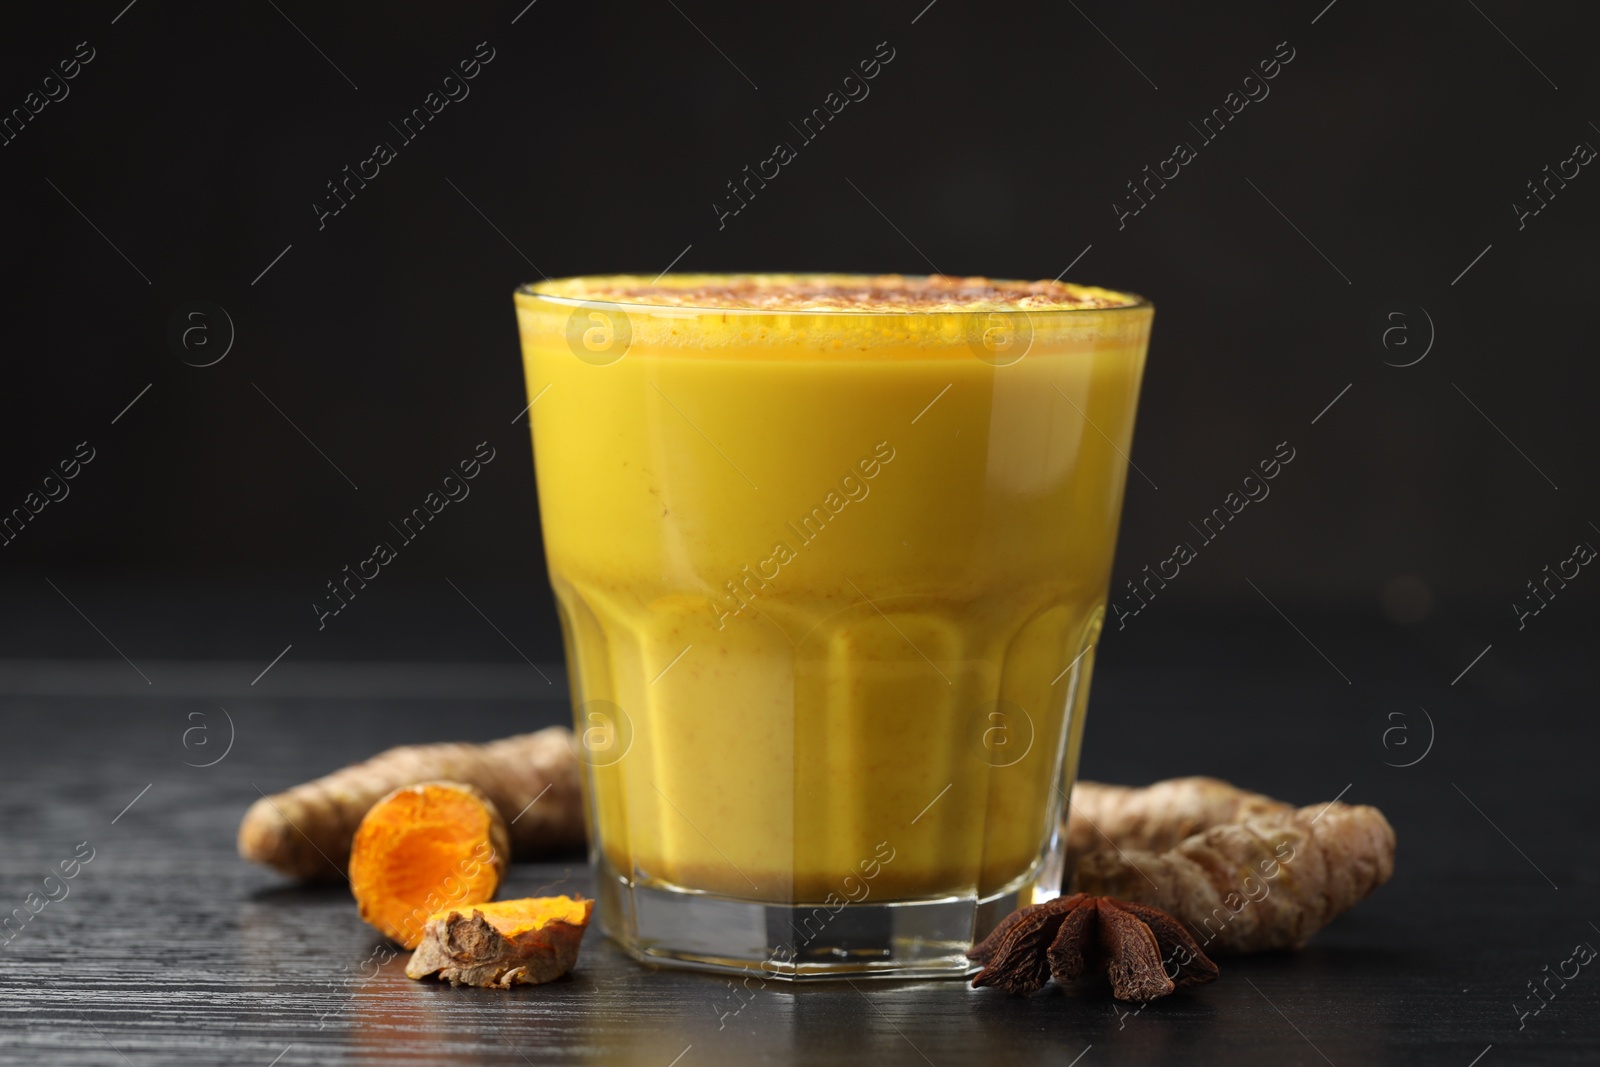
[(877, 293)]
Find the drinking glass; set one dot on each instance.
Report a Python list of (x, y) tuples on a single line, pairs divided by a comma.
[(830, 581)]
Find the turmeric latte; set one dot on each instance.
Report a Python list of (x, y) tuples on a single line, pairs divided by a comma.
[(831, 555)]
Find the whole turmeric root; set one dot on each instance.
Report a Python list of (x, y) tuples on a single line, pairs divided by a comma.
[(306, 832), (1158, 816), (422, 848), (1267, 880), (512, 942)]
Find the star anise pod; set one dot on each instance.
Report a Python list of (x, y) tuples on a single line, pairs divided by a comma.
[(1144, 951)]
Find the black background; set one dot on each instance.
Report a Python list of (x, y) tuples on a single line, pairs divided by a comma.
[(598, 139)]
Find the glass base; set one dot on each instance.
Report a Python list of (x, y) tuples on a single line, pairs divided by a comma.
[(675, 927)]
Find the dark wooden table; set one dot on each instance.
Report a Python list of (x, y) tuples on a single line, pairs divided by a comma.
[(167, 949)]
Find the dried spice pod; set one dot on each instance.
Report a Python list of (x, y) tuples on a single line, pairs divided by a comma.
[(986, 948), (1179, 951), (1075, 951), (1143, 951), (1019, 963), (1133, 961)]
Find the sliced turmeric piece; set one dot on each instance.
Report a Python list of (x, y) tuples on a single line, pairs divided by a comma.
[(511, 942), (426, 847)]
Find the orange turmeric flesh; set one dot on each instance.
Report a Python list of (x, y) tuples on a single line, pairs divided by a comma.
[(513, 917), (423, 848)]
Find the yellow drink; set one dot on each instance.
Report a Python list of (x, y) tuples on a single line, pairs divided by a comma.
[(831, 554)]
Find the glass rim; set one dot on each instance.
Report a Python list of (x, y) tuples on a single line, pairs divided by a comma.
[(1139, 303)]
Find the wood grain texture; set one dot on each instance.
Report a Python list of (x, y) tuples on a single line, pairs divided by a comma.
[(168, 949)]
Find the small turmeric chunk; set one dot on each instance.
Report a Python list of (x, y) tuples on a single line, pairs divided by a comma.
[(511, 942), (426, 847)]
